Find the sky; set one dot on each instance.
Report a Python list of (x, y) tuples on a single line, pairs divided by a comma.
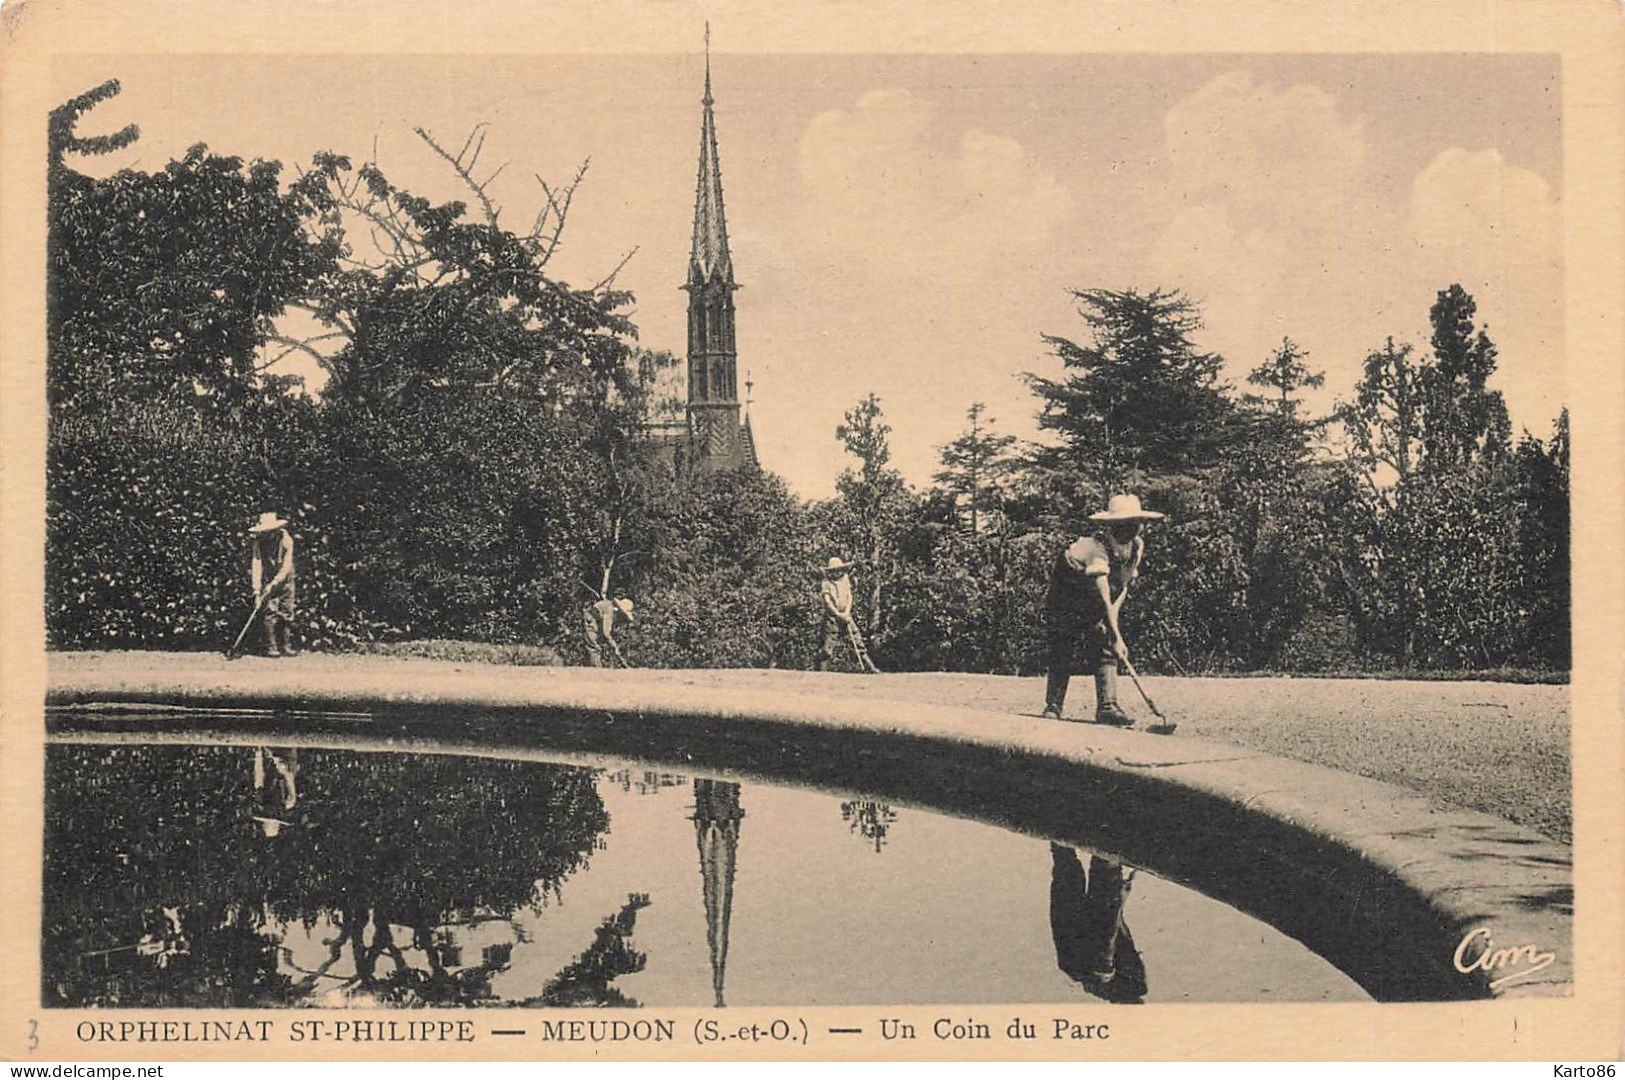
[(912, 225)]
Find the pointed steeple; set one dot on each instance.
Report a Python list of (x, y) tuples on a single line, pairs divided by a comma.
[(709, 259), (717, 439)]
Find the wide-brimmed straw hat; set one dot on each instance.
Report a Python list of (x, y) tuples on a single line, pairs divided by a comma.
[(1125, 508), (837, 563), (270, 826), (268, 521), (625, 607)]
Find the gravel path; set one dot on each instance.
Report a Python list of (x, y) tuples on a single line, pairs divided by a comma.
[(1501, 748)]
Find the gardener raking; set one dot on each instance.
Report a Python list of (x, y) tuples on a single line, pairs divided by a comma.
[(1087, 588)]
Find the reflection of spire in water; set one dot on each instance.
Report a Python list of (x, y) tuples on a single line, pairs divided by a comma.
[(716, 829)]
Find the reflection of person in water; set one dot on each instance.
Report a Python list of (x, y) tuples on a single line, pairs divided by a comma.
[(1092, 943), (276, 787)]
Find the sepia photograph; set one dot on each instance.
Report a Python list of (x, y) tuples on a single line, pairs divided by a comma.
[(909, 544)]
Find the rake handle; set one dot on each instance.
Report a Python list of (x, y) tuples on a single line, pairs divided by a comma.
[(253, 615), (1135, 676)]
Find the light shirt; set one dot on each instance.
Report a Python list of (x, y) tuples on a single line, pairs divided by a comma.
[(838, 594)]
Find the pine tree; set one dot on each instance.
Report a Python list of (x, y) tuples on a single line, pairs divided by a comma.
[(1464, 422), (975, 466), (1139, 397)]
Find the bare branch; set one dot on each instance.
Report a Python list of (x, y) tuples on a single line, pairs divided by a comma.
[(466, 171), (610, 279), (477, 128), (304, 346), (333, 317), (542, 240)]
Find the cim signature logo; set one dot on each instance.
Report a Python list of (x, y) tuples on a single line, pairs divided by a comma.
[(1477, 952)]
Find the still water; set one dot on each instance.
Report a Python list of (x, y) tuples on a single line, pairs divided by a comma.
[(258, 876)]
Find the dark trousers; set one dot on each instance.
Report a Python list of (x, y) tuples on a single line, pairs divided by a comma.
[(1077, 640), (831, 632), (277, 618)]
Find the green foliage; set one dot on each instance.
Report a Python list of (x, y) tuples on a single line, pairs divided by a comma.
[(1459, 563), (495, 540), (1384, 420), (161, 284), (63, 138), (373, 841), (976, 469), (453, 302), (872, 512), (1286, 375), (1540, 491), (146, 518), (732, 578), (1464, 423), (482, 461), (970, 602), (476, 414), (1139, 398)]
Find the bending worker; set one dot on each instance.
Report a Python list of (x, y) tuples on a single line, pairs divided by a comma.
[(599, 621), (1086, 592), (835, 591), (273, 553)]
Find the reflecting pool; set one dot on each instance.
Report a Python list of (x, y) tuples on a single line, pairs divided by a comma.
[(215, 875)]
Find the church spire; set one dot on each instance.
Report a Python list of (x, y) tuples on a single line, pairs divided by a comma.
[(717, 437), (707, 99), (709, 259)]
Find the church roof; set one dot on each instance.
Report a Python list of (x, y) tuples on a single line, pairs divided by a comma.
[(709, 259)]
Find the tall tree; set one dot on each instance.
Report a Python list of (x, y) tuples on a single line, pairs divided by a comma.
[(975, 466), (1384, 420), (162, 285), (1139, 396), (1541, 494), (1285, 376), (1277, 514), (1464, 422), (1441, 566), (427, 297), (875, 498)]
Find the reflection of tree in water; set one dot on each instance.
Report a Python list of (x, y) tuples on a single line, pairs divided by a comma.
[(586, 981), (645, 782), (869, 819), (162, 881)]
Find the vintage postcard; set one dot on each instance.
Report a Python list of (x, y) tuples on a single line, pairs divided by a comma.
[(707, 531)]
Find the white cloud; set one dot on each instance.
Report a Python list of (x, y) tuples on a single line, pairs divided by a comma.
[(932, 240), (1496, 228), (1277, 157), (1473, 214), (1273, 213), (1263, 195), (886, 186)]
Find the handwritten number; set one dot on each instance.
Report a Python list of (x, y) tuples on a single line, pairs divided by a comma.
[(33, 1035)]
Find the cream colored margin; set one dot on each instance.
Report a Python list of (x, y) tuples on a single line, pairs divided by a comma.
[(37, 34)]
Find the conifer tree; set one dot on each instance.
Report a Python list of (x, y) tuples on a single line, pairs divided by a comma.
[(975, 466)]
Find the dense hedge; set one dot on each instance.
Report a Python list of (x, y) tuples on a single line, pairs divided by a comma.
[(146, 541)]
